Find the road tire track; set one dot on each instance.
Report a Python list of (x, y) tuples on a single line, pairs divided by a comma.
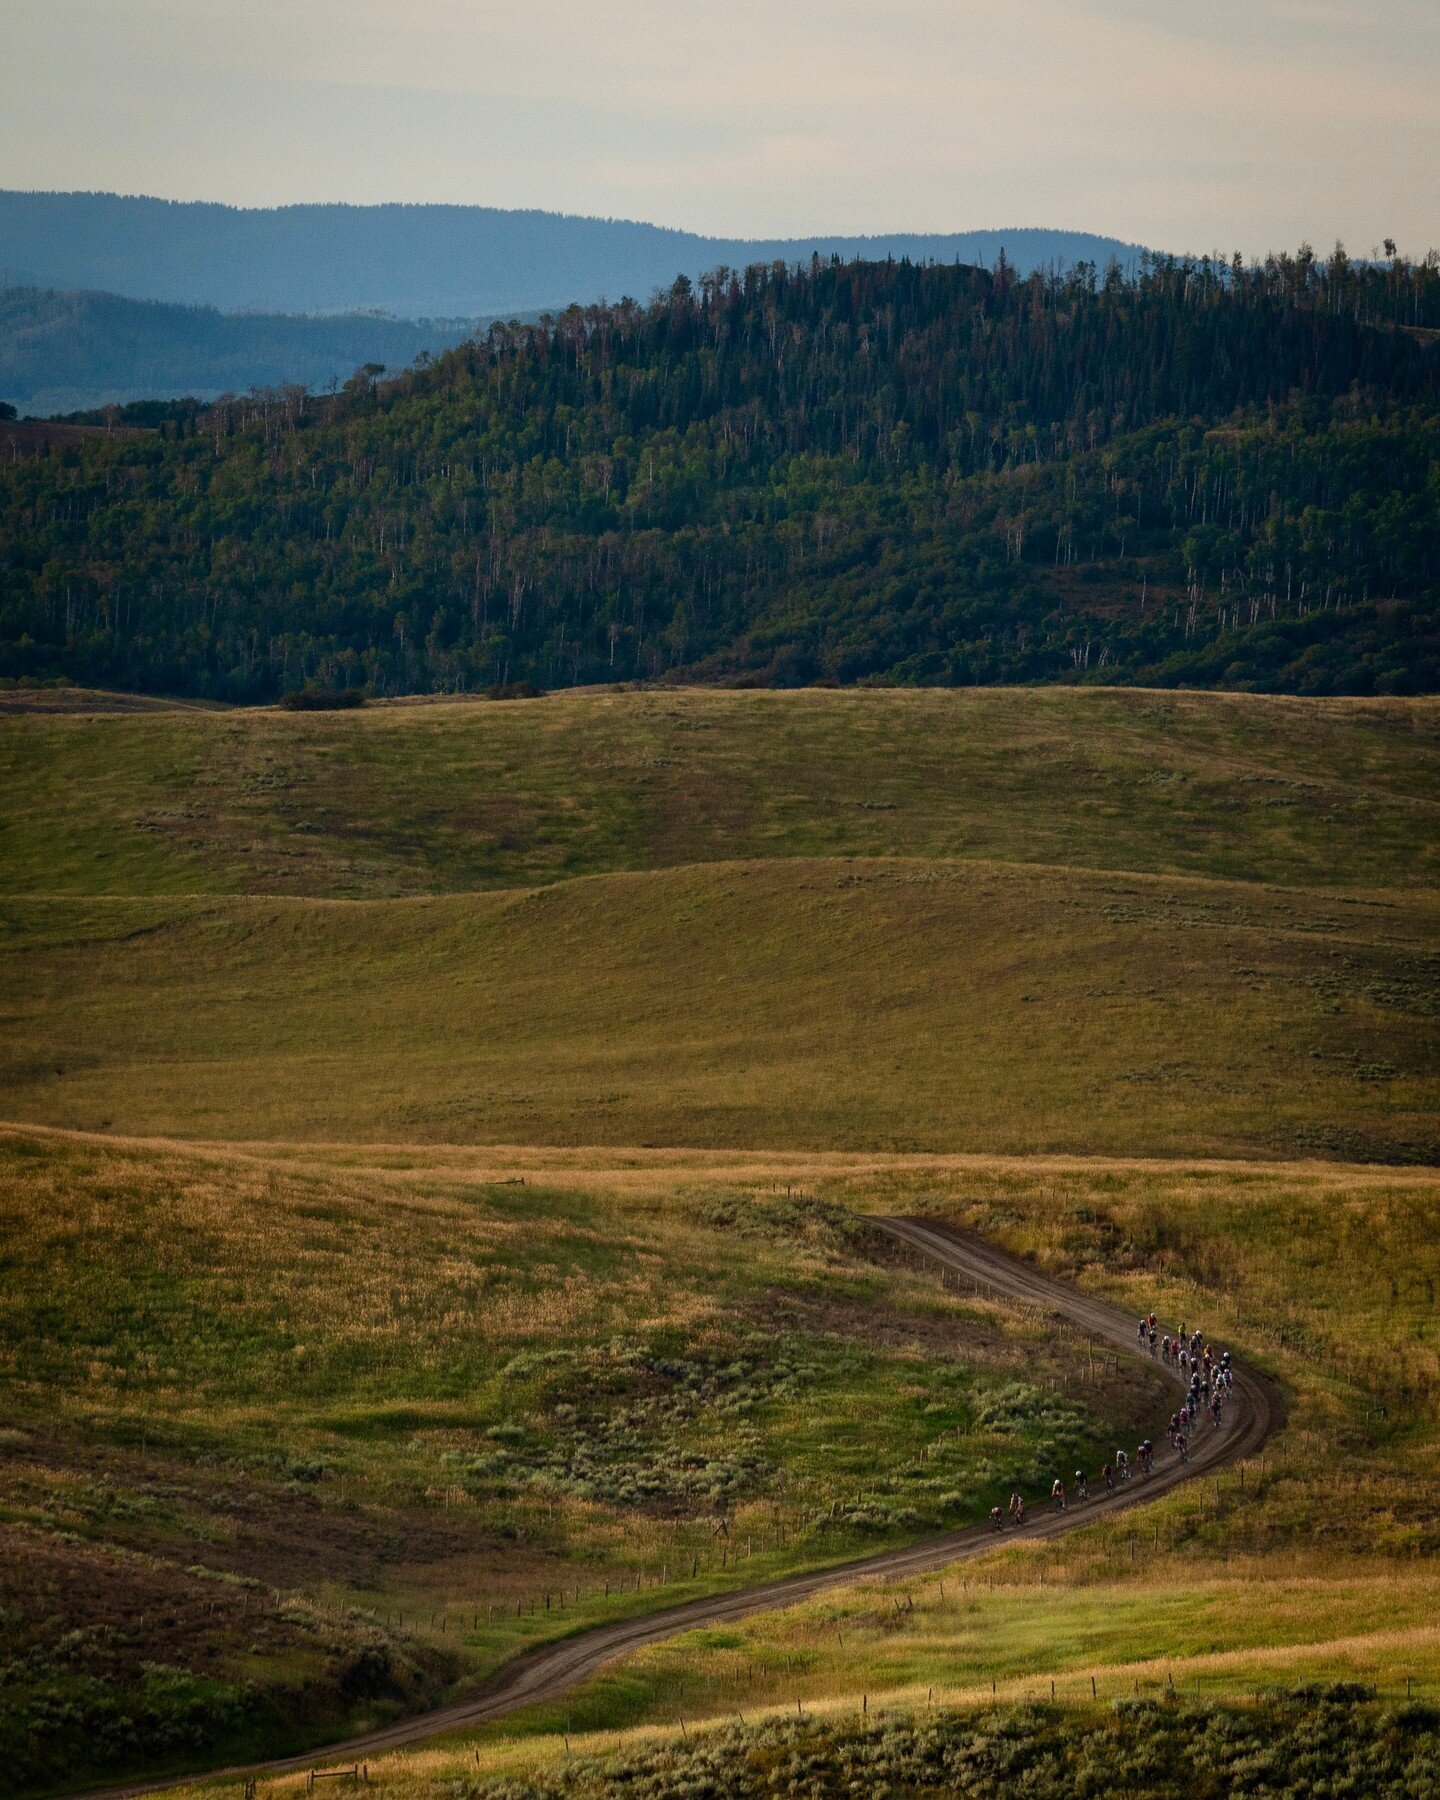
[(549, 1670)]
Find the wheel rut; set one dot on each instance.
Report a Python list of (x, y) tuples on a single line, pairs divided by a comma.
[(550, 1670)]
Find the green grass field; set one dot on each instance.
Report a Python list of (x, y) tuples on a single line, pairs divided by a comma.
[(455, 1227), (444, 796), (796, 1003)]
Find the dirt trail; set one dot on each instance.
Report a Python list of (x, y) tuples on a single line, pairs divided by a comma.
[(551, 1669)]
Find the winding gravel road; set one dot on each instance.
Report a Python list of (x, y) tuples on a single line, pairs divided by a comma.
[(551, 1669)]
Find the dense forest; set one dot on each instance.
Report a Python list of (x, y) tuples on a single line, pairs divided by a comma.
[(1202, 473)]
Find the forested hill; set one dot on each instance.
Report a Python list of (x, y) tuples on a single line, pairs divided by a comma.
[(1205, 474)]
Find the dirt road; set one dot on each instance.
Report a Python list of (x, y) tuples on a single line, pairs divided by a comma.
[(551, 1669)]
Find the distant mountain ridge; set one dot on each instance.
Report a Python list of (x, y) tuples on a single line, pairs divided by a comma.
[(425, 261), (69, 352)]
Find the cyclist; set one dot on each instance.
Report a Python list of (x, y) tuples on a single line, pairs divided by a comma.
[(1057, 1495), (1017, 1507), (997, 1522), (1122, 1465), (1107, 1475), (1082, 1486)]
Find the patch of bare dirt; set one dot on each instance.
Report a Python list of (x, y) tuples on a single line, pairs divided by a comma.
[(852, 1321), (279, 1534), (125, 1606)]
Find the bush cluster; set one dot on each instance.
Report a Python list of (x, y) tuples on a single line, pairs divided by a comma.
[(1316, 1742), (617, 1415), (794, 1219), (321, 699)]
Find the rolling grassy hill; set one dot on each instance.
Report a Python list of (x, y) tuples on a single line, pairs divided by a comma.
[(446, 796), (1314, 1566), (789, 919), (1328, 1276), (377, 1368), (292, 1447), (910, 1004)]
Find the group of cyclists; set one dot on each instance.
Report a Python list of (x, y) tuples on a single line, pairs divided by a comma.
[(1208, 1379)]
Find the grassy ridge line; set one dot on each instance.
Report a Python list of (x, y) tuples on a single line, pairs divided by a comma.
[(626, 1168), (861, 1004), (458, 795)]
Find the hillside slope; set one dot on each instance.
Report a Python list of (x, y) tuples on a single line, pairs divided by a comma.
[(992, 921), (864, 472), (315, 1425), (71, 351), (451, 795), (803, 1004)]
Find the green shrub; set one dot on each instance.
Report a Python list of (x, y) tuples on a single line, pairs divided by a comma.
[(320, 699), (1319, 1742)]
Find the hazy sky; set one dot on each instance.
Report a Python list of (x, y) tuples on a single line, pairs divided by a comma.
[(1187, 124)]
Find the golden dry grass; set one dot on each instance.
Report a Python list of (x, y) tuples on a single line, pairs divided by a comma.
[(897, 1005), (1114, 978), (444, 795), (1316, 1564)]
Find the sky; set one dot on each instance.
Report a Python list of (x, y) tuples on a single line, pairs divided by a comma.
[(1227, 124)]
